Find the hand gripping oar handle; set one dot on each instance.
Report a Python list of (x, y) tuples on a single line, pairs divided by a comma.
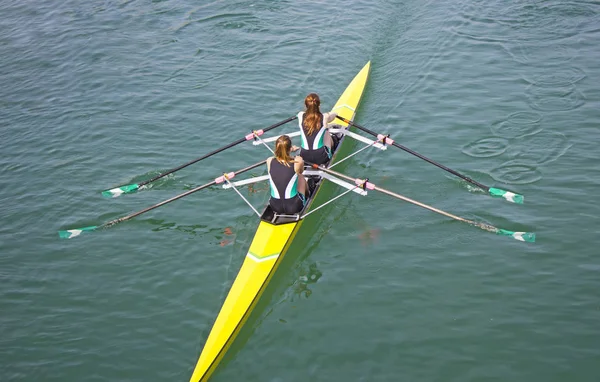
[(217, 151), (365, 184), (482, 186)]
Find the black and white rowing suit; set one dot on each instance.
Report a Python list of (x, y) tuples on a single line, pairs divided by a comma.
[(285, 198), (313, 149)]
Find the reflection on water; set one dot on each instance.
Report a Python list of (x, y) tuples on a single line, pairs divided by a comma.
[(307, 276), (222, 236)]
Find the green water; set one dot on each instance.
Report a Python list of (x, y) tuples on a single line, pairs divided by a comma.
[(99, 94)]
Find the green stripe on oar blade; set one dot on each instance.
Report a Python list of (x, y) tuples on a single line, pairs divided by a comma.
[(114, 192), (521, 236), (510, 196), (70, 233)]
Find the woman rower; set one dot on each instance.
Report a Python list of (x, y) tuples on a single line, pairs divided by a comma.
[(288, 185), (316, 139)]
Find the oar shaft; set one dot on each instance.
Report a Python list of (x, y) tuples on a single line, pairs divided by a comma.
[(426, 206), (466, 178), (119, 220), (483, 187), (521, 236), (398, 196), (213, 153)]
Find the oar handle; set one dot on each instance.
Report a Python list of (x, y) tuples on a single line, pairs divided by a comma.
[(241, 140), (217, 180), (466, 178)]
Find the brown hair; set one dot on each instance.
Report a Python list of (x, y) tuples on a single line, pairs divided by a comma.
[(283, 145), (312, 116)]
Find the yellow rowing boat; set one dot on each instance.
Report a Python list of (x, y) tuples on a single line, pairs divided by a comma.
[(271, 241)]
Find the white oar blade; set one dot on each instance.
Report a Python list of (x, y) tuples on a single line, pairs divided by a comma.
[(510, 196), (521, 236), (71, 233), (115, 192)]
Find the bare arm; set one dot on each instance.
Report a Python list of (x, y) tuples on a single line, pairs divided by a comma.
[(298, 165), (330, 117)]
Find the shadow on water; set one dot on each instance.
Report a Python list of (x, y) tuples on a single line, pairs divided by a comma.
[(307, 275)]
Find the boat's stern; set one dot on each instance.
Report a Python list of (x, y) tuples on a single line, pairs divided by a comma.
[(259, 265)]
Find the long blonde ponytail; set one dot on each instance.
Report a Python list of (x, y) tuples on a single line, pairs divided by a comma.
[(283, 145)]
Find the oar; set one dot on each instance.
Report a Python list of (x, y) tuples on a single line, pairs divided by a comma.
[(114, 192), (510, 196), (68, 234), (522, 236)]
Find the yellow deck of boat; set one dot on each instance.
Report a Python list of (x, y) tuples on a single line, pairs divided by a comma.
[(266, 251)]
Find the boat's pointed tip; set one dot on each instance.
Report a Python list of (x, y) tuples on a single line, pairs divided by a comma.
[(367, 68)]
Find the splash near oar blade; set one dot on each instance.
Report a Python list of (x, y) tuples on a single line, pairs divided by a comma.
[(71, 233), (114, 192), (510, 196)]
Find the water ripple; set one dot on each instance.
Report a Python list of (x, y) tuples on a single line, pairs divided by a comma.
[(555, 77), (515, 172), (555, 99), (530, 53), (547, 20), (540, 149), (486, 147), (532, 22), (518, 124)]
